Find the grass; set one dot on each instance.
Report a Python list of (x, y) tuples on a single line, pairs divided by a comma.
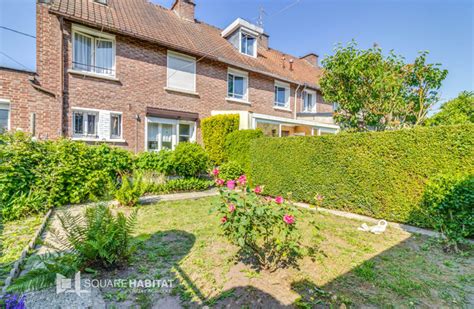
[(14, 236), (181, 240)]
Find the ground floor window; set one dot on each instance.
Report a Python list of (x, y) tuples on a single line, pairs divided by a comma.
[(96, 124), (4, 117), (167, 133), (85, 123)]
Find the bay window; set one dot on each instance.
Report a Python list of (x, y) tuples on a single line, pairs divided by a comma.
[(93, 51)]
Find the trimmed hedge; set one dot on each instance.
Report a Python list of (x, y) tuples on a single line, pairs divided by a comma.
[(214, 131), (379, 174), (237, 146)]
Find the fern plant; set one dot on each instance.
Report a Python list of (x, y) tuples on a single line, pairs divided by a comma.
[(97, 239), (130, 192)]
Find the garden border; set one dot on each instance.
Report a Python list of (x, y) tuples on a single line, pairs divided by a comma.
[(16, 266)]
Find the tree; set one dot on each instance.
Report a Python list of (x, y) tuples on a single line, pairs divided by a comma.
[(377, 92), (456, 111), (422, 84)]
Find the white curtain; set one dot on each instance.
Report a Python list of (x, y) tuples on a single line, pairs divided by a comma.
[(181, 73), (82, 52), (104, 60)]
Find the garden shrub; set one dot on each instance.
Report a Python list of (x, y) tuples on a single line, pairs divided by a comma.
[(180, 185), (189, 159), (230, 170), (214, 131), (130, 191), (379, 174), (449, 202), (154, 161), (237, 146), (263, 228)]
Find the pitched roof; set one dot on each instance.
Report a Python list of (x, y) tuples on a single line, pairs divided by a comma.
[(151, 22)]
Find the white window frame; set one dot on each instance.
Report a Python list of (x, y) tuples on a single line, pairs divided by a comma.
[(85, 113), (120, 128), (8, 107), (303, 107), (245, 76), (184, 57), (248, 33), (175, 131), (287, 88), (94, 35)]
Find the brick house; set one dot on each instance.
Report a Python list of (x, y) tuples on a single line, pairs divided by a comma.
[(141, 76)]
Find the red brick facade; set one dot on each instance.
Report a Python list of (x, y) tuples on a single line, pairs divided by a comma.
[(140, 82)]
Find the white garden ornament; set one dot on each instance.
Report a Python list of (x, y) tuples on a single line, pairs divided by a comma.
[(376, 229)]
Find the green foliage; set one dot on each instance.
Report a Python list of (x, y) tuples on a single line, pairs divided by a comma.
[(189, 159), (155, 161), (379, 174), (258, 227), (237, 147), (98, 238), (230, 170), (130, 192), (457, 111), (214, 131), (35, 175), (449, 202), (379, 92), (180, 185)]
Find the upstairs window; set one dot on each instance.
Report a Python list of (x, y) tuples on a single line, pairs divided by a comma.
[(309, 101), (181, 72), (93, 51), (237, 85), (282, 95), (248, 44)]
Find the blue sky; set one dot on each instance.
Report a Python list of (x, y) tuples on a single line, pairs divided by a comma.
[(445, 28)]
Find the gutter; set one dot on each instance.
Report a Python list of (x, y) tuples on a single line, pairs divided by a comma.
[(179, 48)]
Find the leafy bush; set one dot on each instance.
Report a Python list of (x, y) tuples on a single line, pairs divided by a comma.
[(189, 159), (35, 175), (456, 111), (237, 147), (130, 192), (449, 202), (379, 174), (230, 170), (181, 185), (214, 131), (154, 161), (262, 227)]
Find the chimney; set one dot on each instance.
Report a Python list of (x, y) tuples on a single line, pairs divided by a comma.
[(312, 58), (184, 9), (291, 64), (263, 40)]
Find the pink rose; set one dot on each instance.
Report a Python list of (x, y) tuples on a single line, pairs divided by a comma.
[(215, 172), (319, 197), (220, 182), (242, 180), (279, 199), (224, 219), (231, 207), (258, 189), (289, 219), (231, 184)]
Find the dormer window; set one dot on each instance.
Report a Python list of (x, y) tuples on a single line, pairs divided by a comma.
[(248, 44), (243, 36)]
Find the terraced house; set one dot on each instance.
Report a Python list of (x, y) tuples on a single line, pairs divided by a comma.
[(142, 76)]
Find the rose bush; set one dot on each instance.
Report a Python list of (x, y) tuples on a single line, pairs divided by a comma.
[(265, 228)]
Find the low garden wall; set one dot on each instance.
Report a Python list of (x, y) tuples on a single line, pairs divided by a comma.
[(379, 174)]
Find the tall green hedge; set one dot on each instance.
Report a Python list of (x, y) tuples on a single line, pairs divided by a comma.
[(214, 131), (379, 174), (237, 146)]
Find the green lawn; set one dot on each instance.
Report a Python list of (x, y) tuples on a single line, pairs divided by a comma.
[(181, 240), (14, 236)]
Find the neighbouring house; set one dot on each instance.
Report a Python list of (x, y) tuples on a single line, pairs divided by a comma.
[(141, 76)]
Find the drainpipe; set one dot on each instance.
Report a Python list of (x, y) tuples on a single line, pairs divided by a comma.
[(61, 75), (296, 99)]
